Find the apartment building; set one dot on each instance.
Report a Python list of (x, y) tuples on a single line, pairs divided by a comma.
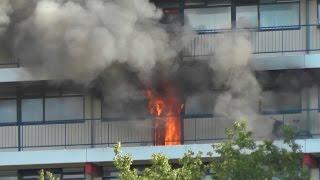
[(70, 129)]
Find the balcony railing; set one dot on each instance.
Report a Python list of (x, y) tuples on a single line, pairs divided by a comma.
[(280, 39), (264, 40), (204, 128)]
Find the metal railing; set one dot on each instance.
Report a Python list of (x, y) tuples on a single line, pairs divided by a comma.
[(205, 128), (279, 39), (264, 40)]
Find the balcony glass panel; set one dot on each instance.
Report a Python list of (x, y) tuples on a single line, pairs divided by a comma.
[(209, 18), (8, 110), (284, 14)]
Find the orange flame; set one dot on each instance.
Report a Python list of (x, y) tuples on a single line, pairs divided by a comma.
[(166, 108)]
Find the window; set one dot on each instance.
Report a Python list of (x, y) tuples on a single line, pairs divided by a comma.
[(8, 103), (202, 103), (280, 102), (209, 18), (37, 104), (247, 16), (318, 9), (32, 110), (218, 15), (8, 110), (281, 14), (64, 108), (133, 108)]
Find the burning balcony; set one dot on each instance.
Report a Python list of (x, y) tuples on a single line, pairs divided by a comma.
[(166, 107)]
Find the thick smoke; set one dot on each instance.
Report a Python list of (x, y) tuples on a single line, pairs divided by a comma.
[(5, 10), (80, 39), (241, 99), (120, 45)]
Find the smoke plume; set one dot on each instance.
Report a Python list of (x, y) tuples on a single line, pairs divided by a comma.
[(5, 10), (241, 99), (80, 39), (121, 45)]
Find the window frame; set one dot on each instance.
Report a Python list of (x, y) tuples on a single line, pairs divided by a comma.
[(281, 111), (280, 28), (19, 96), (118, 118), (17, 112), (211, 7), (258, 3), (318, 17), (258, 15), (64, 120), (31, 97)]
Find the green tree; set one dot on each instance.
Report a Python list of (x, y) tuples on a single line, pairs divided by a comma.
[(43, 175), (239, 157)]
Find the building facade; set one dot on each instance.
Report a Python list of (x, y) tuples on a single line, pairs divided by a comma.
[(68, 129)]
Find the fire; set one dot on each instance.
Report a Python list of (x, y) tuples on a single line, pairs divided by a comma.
[(166, 107)]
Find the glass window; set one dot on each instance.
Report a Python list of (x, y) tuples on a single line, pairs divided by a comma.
[(64, 108), (209, 18), (318, 11), (8, 111), (247, 16), (284, 14), (202, 103), (274, 101), (133, 108), (31, 110)]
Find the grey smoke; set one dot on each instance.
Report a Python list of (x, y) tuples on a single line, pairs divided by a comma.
[(69, 39), (5, 10), (83, 40), (241, 99)]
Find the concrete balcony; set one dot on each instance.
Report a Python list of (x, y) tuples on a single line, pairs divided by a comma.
[(197, 129)]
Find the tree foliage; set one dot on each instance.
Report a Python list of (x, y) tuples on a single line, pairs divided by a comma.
[(47, 175), (239, 157)]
